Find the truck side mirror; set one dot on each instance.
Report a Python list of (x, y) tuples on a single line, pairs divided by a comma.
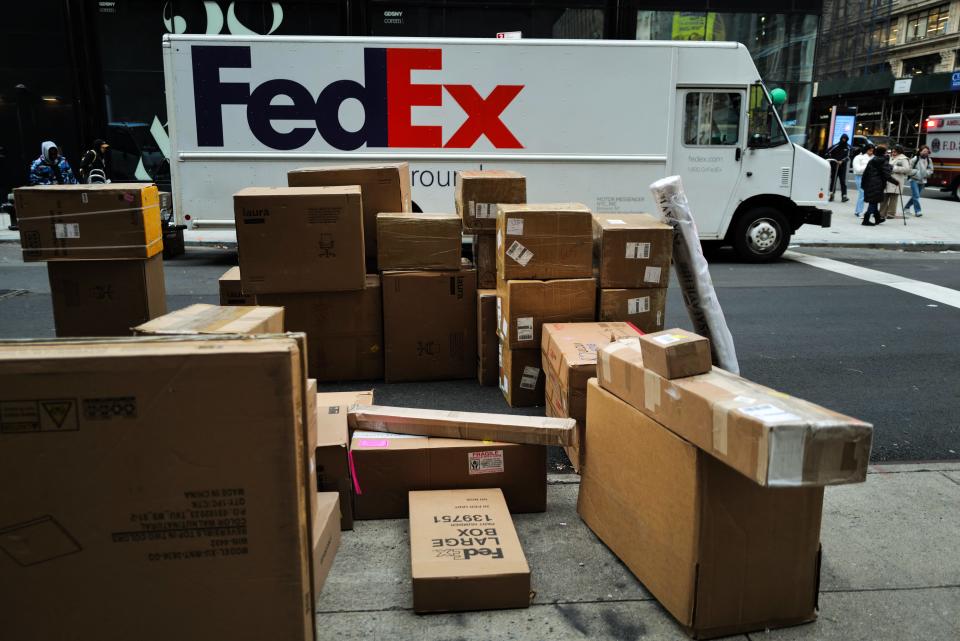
[(759, 141)]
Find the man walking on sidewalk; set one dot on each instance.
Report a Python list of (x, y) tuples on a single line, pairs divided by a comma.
[(920, 169), (838, 155), (900, 168), (875, 178), (859, 165)]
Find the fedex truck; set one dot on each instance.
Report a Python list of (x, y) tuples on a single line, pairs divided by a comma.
[(586, 121), (943, 138)]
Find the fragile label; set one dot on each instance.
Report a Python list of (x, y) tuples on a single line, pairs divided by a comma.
[(514, 226), (640, 305), (519, 253), (525, 328), (669, 339), (485, 462), (651, 275), (769, 413), (483, 210), (66, 230), (529, 378), (640, 250)]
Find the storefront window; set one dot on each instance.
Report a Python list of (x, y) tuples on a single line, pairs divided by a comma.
[(929, 23)]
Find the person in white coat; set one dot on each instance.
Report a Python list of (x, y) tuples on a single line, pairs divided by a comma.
[(900, 168), (920, 169), (859, 165)]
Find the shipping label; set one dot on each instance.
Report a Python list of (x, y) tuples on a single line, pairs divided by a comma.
[(514, 226), (529, 378), (651, 275), (519, 253), (640, 305), (640, 250), (66, 230), (485, 462), (769, 413), (483, 210), (525, 328), (669, 339), (616, 221)]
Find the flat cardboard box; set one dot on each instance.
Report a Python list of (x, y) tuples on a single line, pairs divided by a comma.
[(488, 369), (570, 358), (676, 353), (455, 568), (231, 291), (544, 241), (214, 319), (344, 330), (172, 476), (82, 222), (772, 438), (485, 259), (300, 239), (333, 447), (105, 297), (643, 308), (521, 376), (478, 192), (386, 466), (418, 241), (384, 188), (723, 555), (525, 305), (326, 538), (430, 325), (633, 251), (509, 428)]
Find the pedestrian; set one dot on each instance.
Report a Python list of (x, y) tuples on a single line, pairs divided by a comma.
[(51, 168), (900, 168), (93, 168), (920, 169), (875, 177), (838, 155), (859, 164)]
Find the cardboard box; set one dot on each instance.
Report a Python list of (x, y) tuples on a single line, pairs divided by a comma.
[(723, 555), (300, 239), (72, 222), (488, 368), (231, 292), (482, 568), (676, 353), (644, 308), (633, 251), (172, 476), (333, 447), (430, 325), (213, 319), (544, 241), (326, 538), (478, 193), (509, 428), (384, 188), (418, 241), (569, 359), (521, 376), (484, 249), (773, 438), (105, 297), (525, 305), (344, 330)]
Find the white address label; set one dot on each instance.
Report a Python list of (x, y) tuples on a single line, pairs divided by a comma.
[(529, 378), (483, 210), (651, 275), (769, 413), (616, 221), (67, 230), (519, 253), (525, 328), (514, 226), (639, 305), (639, 250)]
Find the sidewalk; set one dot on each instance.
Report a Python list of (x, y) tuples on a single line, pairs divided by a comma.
[(891, 571)]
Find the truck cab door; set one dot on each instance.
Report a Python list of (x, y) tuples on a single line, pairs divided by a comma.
[(767, 163), (707, 152)]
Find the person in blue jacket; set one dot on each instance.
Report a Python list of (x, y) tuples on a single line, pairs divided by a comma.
[(51, 168)]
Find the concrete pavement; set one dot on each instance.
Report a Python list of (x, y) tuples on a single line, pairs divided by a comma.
[(891, 571)]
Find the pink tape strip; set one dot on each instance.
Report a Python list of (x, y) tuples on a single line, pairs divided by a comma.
[(353, 473)]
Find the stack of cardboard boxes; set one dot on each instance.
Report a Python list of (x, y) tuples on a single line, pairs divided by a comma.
[(103, 247)]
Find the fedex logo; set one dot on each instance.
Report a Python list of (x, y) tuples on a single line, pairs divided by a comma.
[(387, 94)]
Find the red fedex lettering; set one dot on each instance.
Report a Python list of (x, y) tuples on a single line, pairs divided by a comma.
[(402, 96), (483, 116)]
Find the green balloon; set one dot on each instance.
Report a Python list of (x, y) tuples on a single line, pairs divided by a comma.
[(778, 96)]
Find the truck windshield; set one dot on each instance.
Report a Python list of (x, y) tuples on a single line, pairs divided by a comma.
[(765, 127)]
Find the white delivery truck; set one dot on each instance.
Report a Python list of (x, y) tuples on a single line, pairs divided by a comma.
[(588, 121), (943, 138)]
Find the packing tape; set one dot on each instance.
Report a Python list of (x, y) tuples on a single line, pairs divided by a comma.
[(720, 429), (651, 390), (93, 247), (92, 213)]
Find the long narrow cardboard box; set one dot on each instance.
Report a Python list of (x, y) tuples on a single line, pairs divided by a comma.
[(509, 428), (214, 319)]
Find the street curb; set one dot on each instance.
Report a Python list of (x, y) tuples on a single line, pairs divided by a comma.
[(909, 246)]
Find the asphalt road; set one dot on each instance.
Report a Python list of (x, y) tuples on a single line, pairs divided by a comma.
[(867, 350)]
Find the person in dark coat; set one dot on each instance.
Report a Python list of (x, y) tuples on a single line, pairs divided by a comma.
[(875, 177), (93, 161), (838, 156)]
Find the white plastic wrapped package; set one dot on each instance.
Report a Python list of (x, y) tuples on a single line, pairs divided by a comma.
[(693, 273)]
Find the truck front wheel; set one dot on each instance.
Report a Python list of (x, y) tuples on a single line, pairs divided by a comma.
[(761, 234)]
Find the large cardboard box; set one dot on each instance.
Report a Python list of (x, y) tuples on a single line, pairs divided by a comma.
[(418, 241), (676, 353), (384, 188), (430, 325), (300, 239), (172, 475), (478, 192), (71, 222), (544, 241), (214, 319), (632, 250), (644, 308), (521, 376), (105, 297), (772, 438), (569, 359), (525, 305), (474, 568), (326, 538), (231, 291), (333, 447), (484, 249), (723, 555), (344, 330), (488, 369)]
